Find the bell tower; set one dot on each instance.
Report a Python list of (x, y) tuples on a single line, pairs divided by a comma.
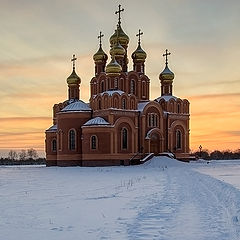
[(166, 78), (73, 82)]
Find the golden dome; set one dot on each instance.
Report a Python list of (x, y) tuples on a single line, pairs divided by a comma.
[(120, 36), (113, 68), (117, 50), (166, 74), (100, 55), (139, 54), (73, 78)]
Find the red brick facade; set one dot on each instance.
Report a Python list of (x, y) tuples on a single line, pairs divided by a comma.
[(120, 123)]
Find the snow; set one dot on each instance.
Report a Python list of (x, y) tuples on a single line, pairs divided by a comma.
[(111, 92), (142, 105), (166, 98), (96, 121), (52, 128), (76, 107), (160, 199)]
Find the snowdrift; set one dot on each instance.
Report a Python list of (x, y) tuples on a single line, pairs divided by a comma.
[(163, 161)]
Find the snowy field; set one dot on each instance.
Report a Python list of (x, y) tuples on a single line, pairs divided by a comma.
[(162, 199)]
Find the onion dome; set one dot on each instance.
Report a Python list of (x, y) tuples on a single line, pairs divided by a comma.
[(117, 50), (113, 68), (100, 55), (166, 74), (120, 36), (73, 78), (139, 54)]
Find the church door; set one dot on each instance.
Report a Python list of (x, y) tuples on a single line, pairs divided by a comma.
[(155, 143)]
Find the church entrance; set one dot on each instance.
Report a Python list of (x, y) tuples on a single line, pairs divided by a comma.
[(155, 143)]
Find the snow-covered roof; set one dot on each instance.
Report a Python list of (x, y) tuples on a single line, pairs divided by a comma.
[(77, 106), (166, 98), (111, 92), (96, 121), (52, 128), (142, 105)]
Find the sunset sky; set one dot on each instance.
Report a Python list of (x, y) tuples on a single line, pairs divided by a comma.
[(38, 39)]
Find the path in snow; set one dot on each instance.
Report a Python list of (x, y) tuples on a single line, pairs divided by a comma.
[(162, 199)]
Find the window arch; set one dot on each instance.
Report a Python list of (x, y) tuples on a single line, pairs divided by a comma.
[(132, 86), (178, 139), (72, 139), (124, 138), (54, 145), (93, 142)]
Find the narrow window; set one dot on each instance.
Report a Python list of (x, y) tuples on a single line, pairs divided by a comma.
[(124, 138), (149, 120), (115, 83), (54, 145), (72, 140), (124, 103), (178, 108), (99, 104), (179, 139), (102, 86), (132, 87), (143, 88), (93, 142)]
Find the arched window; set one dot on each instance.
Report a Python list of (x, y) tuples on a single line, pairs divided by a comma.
[(99, 104), (54, 145), (124, 103), (124, 138), (102, 86), (132, 87), (72, 140), (179, 139), (178, 108), (93, 142), (144, 89), (115, 83)]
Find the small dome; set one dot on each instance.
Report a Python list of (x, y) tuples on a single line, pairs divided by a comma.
[(166, 74), (113, 68), (139, 54), (100, 55), (77, 106), (117, 50), (120, 36), (96, 121), (73, 78)]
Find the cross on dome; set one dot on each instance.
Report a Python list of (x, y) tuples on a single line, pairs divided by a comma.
[(119, 13), (73, 60), (166, 55), (139, 36), (100, 38)]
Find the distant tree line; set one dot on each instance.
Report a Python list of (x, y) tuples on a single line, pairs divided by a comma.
[(24, 157), (218, 155)]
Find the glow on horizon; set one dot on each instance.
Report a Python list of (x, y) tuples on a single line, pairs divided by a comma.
[(38, 41)]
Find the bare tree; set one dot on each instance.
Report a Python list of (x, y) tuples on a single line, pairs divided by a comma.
[(12, 155), (22, 155), (32, 153)]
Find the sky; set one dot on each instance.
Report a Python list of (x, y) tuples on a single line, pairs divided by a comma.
[(38, 39)]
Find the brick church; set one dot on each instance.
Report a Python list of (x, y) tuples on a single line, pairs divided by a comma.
[(119, 124)]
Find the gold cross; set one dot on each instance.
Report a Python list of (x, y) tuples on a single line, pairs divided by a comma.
[(166, 55), (139, 36), (100, 37), (73, 60), (119, 14)]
